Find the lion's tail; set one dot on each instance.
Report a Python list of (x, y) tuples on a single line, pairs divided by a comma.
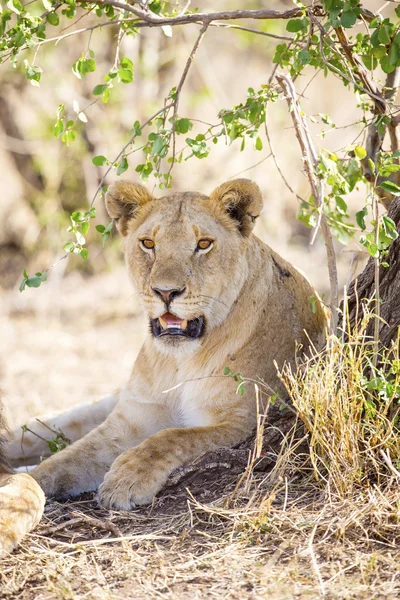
[(21, 507)]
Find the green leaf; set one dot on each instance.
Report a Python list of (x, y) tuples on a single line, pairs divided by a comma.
[(78, 216), (304, 57), (125, 75), (384, 34), (386, 65), (348, 19), (390, 187), (85, 227), (126, 63), (99, 89), (227, 370), (371, 165), (100, 228), (155, 6), (360, 218), (295, 25), (33, 74), (341, 205), (52, 446), (33, 282), (84, 253), (394, 54), (106, 95), (69, 247), (105, 237), (258, 144), (99, 160), (390, 227), (58, 128), (53, 19), (183, 125), (123, 165), (360, 152), (15, 6)]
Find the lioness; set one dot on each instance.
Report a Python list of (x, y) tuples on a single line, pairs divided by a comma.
[(215, 295), (21, 499)]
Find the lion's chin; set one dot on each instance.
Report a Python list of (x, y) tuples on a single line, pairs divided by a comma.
[(169, 329)]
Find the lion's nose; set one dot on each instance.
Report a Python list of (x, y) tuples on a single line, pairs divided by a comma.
[(167, 295)]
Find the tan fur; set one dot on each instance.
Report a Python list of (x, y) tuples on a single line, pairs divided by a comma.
[(30, 446), (256, 307), (21, 507), (21, 501)]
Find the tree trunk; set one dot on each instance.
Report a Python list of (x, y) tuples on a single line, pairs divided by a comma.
[(362, 290)]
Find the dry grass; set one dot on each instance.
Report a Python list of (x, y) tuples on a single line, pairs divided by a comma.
[(350, 408), (305, 529), (289, 539)]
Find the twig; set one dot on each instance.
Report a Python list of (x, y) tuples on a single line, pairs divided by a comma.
[(310, 160), (79, 518), (55, 528), (372, 90), (99, 523), (388, 461), (256, 31), (314, 561), (131, 140), (285, 181), (179, 89), (370, 87)]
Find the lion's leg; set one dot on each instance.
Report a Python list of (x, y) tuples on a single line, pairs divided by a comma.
[(29, 446), (21, 507), (82, 466), (139, 473)]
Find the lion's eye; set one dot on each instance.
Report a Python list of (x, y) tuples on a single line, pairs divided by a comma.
[(204, 244), (148, 244)]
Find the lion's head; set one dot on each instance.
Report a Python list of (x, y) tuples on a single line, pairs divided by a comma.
[(186, 253)]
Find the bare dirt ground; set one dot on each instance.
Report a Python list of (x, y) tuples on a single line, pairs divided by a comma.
[(218, 535)]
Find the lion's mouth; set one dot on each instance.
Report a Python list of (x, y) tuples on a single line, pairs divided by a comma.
[(170, 324)]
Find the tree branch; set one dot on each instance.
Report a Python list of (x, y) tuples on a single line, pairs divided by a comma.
[(310, 161), (152, 19), (371, 88), (376, 137)]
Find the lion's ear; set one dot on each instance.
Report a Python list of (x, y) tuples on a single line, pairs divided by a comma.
[(123, 200), (241, 200)]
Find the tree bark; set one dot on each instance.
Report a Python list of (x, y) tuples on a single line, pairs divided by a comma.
[(362, 290)]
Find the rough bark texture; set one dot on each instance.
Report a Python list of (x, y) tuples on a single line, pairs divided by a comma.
[(362, 289), (234, 460)]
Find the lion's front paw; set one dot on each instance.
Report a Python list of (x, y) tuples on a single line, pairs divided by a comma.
[(48, 477), (131, 481), (61, 477)]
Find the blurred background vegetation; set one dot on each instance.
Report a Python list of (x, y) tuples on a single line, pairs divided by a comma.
[(45, 180)]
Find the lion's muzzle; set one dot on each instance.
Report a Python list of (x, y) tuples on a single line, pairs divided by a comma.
[(171, 325)]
